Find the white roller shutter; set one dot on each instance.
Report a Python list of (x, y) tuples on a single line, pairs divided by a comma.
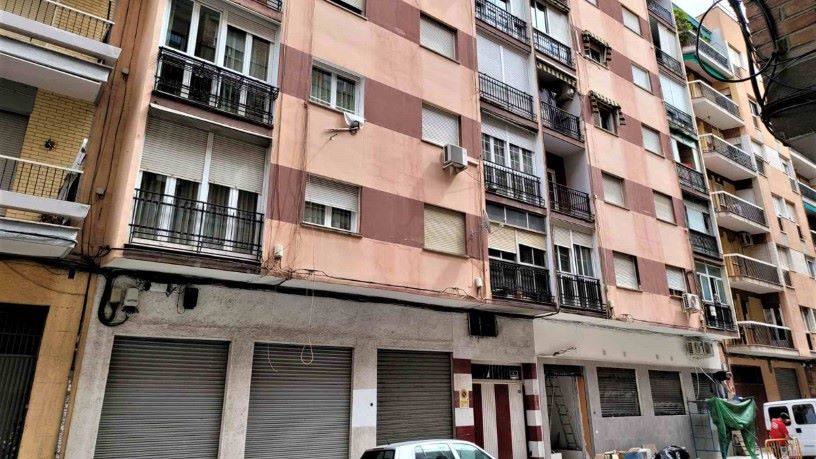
[(582, 239), (439, 127), (444, 230), (675, 94), (502, 238), (676, 278), (561, 237), (664, 209), (613, 190), (559, 27), (163, 396), (625, 271), (651, 140), (521, 138), (299, 410), (237, 164), (530, 239), (332, 194), (668, 42), (174, 150), (516, 70), (437, 37), (503, 131), (489, 57)]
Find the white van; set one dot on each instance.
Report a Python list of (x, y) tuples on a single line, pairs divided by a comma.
[(802, 414)]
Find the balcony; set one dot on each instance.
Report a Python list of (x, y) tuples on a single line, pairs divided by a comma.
[(214, 88), (710, 56), (704, 244), (738, 214), (501, 20), (761, 339), (726, 159), (564, 200), (679, 119), (660, 11), (64, 49), (553, 48), (520, 282), (38, 215), (719, 316), (561, 121), (580, 293), (506, 97), (186, 225), (807, 192), (690, 179), (752, 275), (276, 5), (714, 107), (669, 63), (513, 184)]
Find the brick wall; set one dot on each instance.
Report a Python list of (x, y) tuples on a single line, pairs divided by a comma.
[(795, 22)]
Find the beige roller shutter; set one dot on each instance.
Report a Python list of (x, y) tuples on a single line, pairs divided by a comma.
[(444, 230), (174, 150), (561, 237), (626, 271), (237, 164), (502, 238), (333, 194), (664, 209), (530, 239), (439, 127), (437, 37), (582, 239)]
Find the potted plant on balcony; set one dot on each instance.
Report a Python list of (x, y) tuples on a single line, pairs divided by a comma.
[(684, 27)]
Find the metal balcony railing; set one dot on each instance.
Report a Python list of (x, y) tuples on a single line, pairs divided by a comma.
[(520, 282), (671, 64), (506, 97), (215, 88), (567, 201), (701, 89), (760, 164), (580, 292), (552, 47), (169, 221), (512, 184), (719, 316), (807, 191), (690, 178), (761, 334), (727, 202), (660, 11), (679, 119), (710, 143), (561, 121), (710, 51), (60, 16), (276, 5), (704, 244), (499, 19), (738, 265), (38, 179)]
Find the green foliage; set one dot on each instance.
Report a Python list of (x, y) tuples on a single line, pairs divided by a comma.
[(684, 27)]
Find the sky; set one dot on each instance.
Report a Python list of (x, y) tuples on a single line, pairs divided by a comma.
[(693, 7)]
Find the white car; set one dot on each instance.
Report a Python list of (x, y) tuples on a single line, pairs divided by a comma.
[(427, 449), (802, 414)]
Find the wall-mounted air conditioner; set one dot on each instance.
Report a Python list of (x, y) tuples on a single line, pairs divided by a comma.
[(699, 348), (455, 157), (691, 302)]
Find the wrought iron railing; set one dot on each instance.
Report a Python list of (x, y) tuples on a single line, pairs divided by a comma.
[(512, 184), (552, 47), (719, 316), (727, 202), (670, 63), (713, 53), (60, 16), (506, 97), (690, 178), (679, 119), (701, 89), (741, 266), (580, 292), (561, 121), (169, 221), (38, 179), (704, 244), (660, 11), (276, 5), (807, 191), (710, 143), (567, 201), (520, 282), (761, 334), (499, 19), (215, 88)]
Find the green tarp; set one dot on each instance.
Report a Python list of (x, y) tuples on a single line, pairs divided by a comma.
[(730, 415)]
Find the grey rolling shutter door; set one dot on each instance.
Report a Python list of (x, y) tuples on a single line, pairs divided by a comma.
[(299, 411), (619, 394), (414, 396), (175, 150), (667, 393), (163, 396), (788, 384), (237, 164)]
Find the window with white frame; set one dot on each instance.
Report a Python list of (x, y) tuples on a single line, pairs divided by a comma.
[(631, 20), (331, 204), (698, 216), (737, 59), (551, 21), (439, 127), (664, 207), (500, 152), (444, 230), (514, 217), (790, 211), (784, 257), (811, 266), (573, 252), (626, 271), (358, 6), (641, 78), (437, 37), (335, 89), (676, 280), (809, 319), (613, 190), (651, 140), (517, 245), (710, 277)]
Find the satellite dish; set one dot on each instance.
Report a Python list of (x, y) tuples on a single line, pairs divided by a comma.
[(354, 122)]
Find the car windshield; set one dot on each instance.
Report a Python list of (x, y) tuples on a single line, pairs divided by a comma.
[(379, 454)]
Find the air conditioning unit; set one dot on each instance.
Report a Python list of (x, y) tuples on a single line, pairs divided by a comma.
[(746, 239), (699, 348), (454, 156), (691, 302)]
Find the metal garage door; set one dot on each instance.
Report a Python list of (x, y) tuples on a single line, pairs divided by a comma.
[(414, 394), (299, 408), (788, 384), (163, 399)]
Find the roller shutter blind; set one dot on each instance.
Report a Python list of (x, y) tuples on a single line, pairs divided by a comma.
[(174, 150), (237, 164), (651, 140), (439, 127), (332, 194), (561, 237), (558, 26), (437, 37), (704, 387), (788, 383), (626, 271), (582, 239), (358, 5), (299, 411), (619, 393), (534, 240), (667, 393), (676, 278), (664, 209), (414, 391), (444, 230), (613, 190), (502, 238), (489, 57), (516, 70), (162, 396)]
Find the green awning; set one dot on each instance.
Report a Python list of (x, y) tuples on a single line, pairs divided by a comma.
[(809, 207)]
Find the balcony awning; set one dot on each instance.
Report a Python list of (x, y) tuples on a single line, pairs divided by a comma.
[(563, 76), (587, 35), (809, 207)]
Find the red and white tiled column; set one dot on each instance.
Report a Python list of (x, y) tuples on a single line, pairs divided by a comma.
[(463, 401), (532, 411)]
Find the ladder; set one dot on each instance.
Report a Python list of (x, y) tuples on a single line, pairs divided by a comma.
[(557, 406)]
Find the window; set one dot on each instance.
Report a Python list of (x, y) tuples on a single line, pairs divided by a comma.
[(790, 211), (631, 21), (444, 230), (641, 78), (613, 190), (737, 59), (698, 217), (619, 392), (331, 204), (712, 288), (804, 414), (626, 271), (334, 89), (532, 256), (595, 48), (516, 217), (676, 279), (651, 140), (434, 451), (439, 127), (497, 151), (583, 260), (469, 452), (784, 258), (551, 21), (664, 209), (358, 6), (809, 319), (437, 37), (667, 393), (811, 266), (685, 153), (606, 118)]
